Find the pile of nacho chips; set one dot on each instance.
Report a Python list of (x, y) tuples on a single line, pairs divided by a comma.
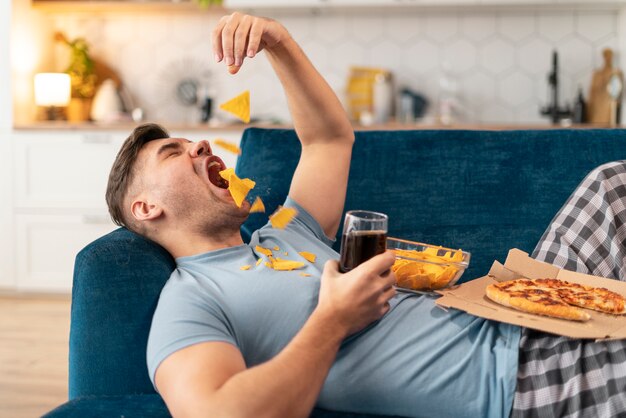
[(425, 270)]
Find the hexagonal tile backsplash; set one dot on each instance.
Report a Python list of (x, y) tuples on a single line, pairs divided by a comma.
[(498, 61)]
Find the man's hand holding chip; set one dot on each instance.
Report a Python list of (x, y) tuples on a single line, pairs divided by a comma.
[(238, 36)]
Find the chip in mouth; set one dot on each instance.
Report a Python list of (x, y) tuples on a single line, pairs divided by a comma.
[(237, 187)]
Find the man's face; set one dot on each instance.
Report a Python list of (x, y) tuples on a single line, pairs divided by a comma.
[(182, 178)]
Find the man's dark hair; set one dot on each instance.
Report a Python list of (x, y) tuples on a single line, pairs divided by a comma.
[(123, 170)]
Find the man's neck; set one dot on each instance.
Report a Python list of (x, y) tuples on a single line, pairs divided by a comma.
[(183, 245)]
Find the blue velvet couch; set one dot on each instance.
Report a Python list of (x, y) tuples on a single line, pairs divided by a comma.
[(483, 191)]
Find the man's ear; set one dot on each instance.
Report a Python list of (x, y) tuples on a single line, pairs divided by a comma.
[(145, 211)]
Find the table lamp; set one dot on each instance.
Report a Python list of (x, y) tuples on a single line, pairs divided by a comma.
[(52, 91)]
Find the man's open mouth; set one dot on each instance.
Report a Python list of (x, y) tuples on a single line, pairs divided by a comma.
[(214, 167)]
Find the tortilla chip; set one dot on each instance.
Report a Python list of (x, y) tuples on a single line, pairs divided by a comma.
[(268, 264), (259, 261), (238, 188), (257, 206), (239, 106), (286, 265), (246, 267), (262, 250), (228, 146), (310, 257), (282, 217)]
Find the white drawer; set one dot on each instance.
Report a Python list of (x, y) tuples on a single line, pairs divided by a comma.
[(47, 246), (64, 171)]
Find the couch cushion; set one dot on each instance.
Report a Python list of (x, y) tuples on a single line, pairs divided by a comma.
[(117, 282), (143, 406), (482, 191)]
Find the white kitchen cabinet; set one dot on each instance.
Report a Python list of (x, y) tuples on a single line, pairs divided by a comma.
[(48, 244), (59, 183), (63, 171)]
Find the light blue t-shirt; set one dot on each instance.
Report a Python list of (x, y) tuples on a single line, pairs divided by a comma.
[(417, 361)]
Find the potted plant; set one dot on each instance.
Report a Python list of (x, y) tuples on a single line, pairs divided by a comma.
[(83, 77)]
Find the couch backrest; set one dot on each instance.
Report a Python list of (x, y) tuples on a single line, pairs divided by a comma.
[(485, 192), (482, 191)]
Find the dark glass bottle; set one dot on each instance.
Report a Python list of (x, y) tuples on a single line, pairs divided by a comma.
[(580, 109)]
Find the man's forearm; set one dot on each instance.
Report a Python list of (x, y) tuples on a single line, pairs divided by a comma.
[(287, 385), (316, 111)]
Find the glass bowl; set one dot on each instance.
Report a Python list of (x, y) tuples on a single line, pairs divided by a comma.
[(424, 267)]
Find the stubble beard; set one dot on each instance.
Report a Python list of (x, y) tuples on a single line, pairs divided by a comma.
[(211, 217)]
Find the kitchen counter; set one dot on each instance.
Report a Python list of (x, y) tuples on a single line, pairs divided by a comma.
[(57, 126)]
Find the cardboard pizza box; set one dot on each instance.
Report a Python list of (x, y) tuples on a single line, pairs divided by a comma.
[(470, 297)]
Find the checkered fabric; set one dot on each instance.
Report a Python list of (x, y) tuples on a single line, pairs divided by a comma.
[(562, 377)]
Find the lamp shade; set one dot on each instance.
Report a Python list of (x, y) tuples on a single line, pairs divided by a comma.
[(52, 89)]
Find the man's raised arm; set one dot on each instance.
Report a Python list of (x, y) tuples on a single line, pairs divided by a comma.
[(320, 181)]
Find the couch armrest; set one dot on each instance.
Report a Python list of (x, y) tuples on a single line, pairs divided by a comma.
[(117, 282)]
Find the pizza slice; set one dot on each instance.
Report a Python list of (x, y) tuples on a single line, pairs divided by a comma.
[(557, 298), (526, 296)]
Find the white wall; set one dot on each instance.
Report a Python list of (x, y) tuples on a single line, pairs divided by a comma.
[(499, 59), (7, 272)]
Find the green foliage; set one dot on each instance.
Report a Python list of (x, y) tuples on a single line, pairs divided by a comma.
[(206, 3), (81, 68)]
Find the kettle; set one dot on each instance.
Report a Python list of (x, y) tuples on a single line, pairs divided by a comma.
[(107, 104)]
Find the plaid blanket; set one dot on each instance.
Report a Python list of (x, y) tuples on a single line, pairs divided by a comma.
[(562, 377)]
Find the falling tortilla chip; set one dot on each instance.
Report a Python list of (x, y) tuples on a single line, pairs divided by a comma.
[(239, 106), (246, 267), (238, 188), (228, 146), (257, 206), (286, 265), (305, 275), (310, 257), (282, 217), (263, 250)]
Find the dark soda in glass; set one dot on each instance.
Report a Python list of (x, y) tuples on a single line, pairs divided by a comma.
[(360, 246)]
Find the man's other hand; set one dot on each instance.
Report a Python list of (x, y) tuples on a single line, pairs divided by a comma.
[(356, 299), (238, 36)]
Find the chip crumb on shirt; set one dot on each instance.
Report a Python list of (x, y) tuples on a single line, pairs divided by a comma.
[(286, 265), (257, 206), (238, 188), (276, 248), (228, 146), (310, 257), (246, 267), (305, 274), (263, 250), (282, 217), (285, 253)]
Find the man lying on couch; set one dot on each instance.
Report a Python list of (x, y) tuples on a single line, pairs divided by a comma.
[(261, 342)]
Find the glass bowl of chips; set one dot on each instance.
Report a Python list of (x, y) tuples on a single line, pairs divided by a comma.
[(424, 267)]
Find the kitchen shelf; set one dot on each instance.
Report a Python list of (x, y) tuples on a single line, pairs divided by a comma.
[(123, 6), (238, 127), (391, 6)]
